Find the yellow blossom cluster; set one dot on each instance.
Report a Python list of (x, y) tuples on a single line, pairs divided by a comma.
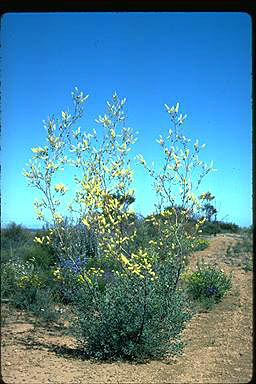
[(104, 188), (60, 188)]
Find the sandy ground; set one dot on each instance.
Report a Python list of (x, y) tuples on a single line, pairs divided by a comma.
[(218, 349)]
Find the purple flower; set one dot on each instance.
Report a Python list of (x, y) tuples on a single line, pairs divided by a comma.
[(75, 265), (211, 291)]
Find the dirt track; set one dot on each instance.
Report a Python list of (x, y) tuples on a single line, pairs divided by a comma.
[(218, 350)]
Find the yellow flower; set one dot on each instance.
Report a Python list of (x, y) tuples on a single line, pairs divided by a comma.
[(39, 150), (80, 279), (58, 217), (60, 188), (39, 240), (85, 222), (125, 260)]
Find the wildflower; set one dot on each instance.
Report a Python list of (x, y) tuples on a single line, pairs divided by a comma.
[(60, 188), (39, 150), (58, 217), (39, 240), (211, 291)]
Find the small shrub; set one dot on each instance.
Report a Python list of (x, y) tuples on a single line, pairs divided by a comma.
[(240, 254), (247, 231), (130, 319), (214, 227), (207, 285), (14, 236), (211, 228), (229, 227), (66, 275), (44, 305), (77, 240), (9, 279), (36, 255), (29, 289), (45, 247), (247, 264), (244, 245), (6, 255), (200, 245)]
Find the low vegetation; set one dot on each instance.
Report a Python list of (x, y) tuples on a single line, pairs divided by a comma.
[(207, 285), (240, 254), (30, 281)]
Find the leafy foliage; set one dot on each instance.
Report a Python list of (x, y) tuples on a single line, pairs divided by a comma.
[(14, 236), (131, 318), (29, 289), (241, 253), (208, 284), (214, 227), (200, 245)]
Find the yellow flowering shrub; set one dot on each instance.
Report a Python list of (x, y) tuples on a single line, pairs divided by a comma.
[(119, 279)]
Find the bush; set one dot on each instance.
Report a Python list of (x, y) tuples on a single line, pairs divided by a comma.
[(131, 307), (18, 284), (142, 233), (211, 228), (44, 247), (243, 245), (240, 254), (36, 255), (131, 318), (200, 245), (6, 255), (77, 240), (43, 305), (229, 227), (28, 288), (247, 231), (9, 279), (207, 285), (214, 227), (14, 236)]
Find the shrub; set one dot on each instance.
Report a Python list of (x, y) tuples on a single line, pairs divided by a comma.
[(247, 231), (36, 255), (200, 245), (14, 236), (211, 228), (229, 227), (243, 245), (207, 285), (18, 284), (9, 279), (45, 247), (67, 277), (241, 253), (131, 318), (77, 240), (125, 295), (214, 227), (142, 237), (29, 289), (6, 255)]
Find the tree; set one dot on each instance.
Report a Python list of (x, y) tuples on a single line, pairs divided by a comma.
[(208, 209)]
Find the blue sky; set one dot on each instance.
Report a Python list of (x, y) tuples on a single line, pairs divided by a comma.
[(201, 60)]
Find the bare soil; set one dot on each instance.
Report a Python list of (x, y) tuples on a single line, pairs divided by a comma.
[(218, 343)]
